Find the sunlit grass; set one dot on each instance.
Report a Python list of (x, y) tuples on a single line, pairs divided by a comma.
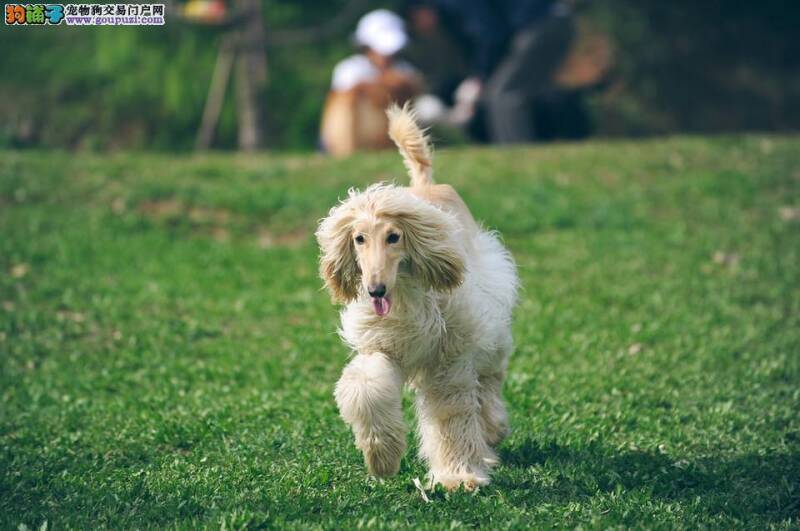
[(167, 357)]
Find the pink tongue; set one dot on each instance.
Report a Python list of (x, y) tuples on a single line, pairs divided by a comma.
[(381, 305)]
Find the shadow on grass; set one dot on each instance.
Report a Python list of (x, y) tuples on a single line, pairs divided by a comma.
[(745, 487)]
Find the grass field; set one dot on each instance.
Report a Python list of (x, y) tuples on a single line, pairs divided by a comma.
[(167, 358)]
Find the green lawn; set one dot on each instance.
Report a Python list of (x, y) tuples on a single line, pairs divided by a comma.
[(167, 357)]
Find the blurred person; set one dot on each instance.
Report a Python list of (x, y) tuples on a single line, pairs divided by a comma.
[(435, 51), (513, 50), (363, 86)]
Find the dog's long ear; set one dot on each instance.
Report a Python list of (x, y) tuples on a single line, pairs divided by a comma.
[(338, 266), (432, 245)]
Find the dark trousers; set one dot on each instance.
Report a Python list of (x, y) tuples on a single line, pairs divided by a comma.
[(526, 71)]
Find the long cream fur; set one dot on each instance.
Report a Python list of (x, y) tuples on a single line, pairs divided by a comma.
[(412, 142), (448, 335)]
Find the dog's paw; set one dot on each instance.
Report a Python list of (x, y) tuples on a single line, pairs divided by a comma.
[(468, 480), (382, 455)]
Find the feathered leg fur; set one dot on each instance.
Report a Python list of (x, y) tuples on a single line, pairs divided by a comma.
[(369, 396), (453, 438)]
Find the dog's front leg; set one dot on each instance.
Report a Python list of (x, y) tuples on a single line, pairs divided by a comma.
[(369, 396), (452, 437)]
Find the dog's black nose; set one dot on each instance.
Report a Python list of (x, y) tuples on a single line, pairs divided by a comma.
[(377, 291)]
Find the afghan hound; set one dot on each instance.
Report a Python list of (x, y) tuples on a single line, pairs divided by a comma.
[(429, 296)]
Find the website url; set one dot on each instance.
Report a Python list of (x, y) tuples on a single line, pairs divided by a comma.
[(101, 20)]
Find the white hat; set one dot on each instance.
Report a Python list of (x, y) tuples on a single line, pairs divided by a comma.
[(383, 31)]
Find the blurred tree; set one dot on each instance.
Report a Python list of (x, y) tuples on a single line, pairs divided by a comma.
[(243, 44)]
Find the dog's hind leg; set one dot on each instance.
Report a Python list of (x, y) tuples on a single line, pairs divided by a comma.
[(369, 396), (493, 411)]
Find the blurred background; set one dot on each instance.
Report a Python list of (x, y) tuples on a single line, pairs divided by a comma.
[(259, 74)]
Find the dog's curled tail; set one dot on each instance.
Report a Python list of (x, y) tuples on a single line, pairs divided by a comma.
[(412, 142)]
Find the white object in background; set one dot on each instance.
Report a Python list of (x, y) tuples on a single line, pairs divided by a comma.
[(468, 91), (430, 109), (466, 96), (351, 71), (383, 31)]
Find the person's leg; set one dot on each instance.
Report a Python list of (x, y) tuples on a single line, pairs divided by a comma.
[(534, 55)]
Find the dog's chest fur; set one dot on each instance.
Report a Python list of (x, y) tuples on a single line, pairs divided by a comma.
[(423, 328)]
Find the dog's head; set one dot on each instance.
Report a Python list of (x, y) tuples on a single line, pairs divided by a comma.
[(386, 235)]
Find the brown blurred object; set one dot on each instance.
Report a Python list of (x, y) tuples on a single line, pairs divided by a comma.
[(589, 60), (205, 11), (355, 119)]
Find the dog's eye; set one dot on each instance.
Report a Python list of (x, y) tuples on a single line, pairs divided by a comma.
[(360, 239), (393, 238)]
